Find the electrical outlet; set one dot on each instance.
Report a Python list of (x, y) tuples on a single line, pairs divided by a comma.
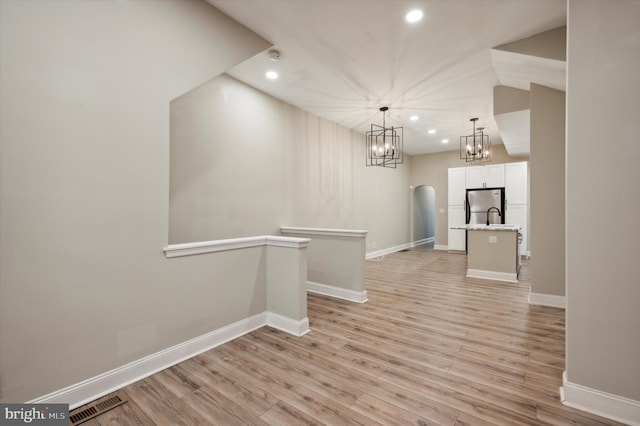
[(441, 210), (493, 239), (373, 245)]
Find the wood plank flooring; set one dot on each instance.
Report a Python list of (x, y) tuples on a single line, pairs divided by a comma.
[(430, 347)]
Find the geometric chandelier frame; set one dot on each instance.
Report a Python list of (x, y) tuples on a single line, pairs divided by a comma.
[(384, 144), (475, 147)]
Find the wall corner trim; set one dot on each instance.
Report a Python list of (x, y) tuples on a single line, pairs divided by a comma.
[(98, 386), (492, 275), (201, 247), (547, 300), (380, 253), (603, 404), (288, 325), (423, 241), (337, 292), (350, 233)]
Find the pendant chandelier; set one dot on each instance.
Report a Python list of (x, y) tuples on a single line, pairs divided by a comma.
[(475, 147), (384, 144)]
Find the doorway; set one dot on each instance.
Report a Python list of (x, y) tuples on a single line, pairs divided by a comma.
[(424, 215)]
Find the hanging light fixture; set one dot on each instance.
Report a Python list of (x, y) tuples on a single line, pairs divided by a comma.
[(475, 147), (486, 151), (384, 144)]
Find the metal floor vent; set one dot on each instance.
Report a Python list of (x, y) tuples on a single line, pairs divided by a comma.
[(96, 408), (403, 250)]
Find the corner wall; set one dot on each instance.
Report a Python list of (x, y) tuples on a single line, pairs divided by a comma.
[(547, 192), (244, 163), (84, 188), (603, 200)]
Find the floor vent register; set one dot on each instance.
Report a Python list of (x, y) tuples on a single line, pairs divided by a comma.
[(97, 407)]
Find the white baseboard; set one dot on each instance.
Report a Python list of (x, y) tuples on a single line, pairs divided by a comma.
[(340, 293), (547, 300), (440, 247), (492, 275), (384, 252), (297, 328), (423, 241), (603, 404), (105, 383)]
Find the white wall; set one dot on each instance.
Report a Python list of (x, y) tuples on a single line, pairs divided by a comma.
[(84, 188), (244, 163), (603, 154)]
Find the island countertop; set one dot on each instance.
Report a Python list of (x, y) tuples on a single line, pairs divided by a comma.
[(492, 227)]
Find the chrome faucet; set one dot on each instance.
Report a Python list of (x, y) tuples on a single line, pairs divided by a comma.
[(489, 210)]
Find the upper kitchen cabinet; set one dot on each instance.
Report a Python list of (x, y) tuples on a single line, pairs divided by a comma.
[(457, 188), (489, 176), (516, 182)]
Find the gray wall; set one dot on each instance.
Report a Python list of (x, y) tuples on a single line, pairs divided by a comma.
[(549, 44), (333, 260), (244, 163), (84, 188), (547, 193), (431, 170), (603, 106), (509, 99), (231, 163)]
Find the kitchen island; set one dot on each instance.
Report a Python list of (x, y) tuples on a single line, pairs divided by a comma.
[(492, 251)]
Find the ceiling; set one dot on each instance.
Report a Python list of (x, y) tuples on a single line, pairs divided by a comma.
[(344, 59)]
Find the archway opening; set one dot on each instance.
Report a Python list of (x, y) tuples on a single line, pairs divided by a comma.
[(424, 215)]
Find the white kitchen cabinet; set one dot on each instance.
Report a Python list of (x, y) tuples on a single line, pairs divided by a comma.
[(516, 182), (457, 237), (457, 188), (475, 177), (489, 176), (517, 215)]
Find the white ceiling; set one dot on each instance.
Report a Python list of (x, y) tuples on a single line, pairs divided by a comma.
[(344, 59)]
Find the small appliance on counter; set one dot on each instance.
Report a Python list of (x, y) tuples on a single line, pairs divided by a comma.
[(485, 206)]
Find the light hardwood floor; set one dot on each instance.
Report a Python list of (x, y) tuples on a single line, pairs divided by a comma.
[(430, 347)]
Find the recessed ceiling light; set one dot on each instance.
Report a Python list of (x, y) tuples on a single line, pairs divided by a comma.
[(414, 16), (271, 75), (414, 118), (445, 140), (432, 131)]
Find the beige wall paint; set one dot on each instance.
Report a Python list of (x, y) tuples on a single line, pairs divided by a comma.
[(336, 261), (431, 170), (549, 44), (603, 291), (244, 163), (496, 257), (547, 193), (84, 188), (232, 172), (509, 99)]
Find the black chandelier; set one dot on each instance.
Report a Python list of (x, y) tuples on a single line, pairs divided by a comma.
[(475, 147), (384, 144)]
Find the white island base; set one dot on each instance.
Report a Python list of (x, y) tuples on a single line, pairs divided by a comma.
[(492, 252)]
